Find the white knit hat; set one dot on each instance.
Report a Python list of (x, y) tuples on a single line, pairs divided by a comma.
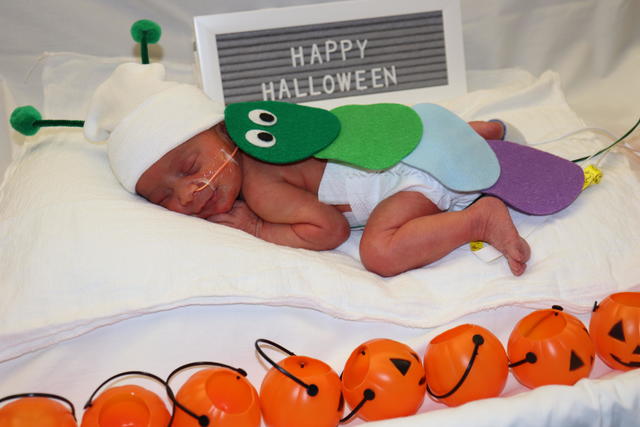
[(142, 117)]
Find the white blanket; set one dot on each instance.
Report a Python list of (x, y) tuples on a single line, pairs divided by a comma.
[(78, 252)]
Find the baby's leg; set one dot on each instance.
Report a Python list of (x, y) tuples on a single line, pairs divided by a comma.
[(408, 231)]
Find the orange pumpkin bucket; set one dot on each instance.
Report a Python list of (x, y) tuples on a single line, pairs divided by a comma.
[(383, 379), (465, 363), (550, 347), (299, 391), (37, 409), (126, 406), (615, 329), (219, 395)]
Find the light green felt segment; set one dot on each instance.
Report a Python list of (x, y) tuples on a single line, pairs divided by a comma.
[(280, 132), (23, 119), (376, 136)]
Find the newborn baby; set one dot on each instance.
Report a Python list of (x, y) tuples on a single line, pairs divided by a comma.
[(167, 142), (208, 177)]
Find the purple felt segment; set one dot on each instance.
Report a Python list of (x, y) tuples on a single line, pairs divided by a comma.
[(533, 181)]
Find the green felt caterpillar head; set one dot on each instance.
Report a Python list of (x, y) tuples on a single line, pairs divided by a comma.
[(279, 132)]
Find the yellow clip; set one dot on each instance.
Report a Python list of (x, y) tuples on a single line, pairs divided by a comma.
[(476, 246), (592, 175)]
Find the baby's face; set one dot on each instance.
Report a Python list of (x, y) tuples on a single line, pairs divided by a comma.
[(200, 177)]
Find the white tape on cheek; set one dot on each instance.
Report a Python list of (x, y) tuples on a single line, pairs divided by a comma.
[(204, 184), (230, 157)]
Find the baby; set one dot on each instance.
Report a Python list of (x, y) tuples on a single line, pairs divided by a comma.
[(167, 142), (208, 177)]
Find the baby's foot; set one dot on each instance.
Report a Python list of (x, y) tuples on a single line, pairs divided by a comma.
[(496, 228), (489, 130)]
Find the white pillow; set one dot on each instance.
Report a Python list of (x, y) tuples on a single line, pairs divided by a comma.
[(77, 251)]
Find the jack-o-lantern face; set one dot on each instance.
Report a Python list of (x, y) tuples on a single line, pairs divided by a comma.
[(129, 405), (388, 372), (550, 347), (287, 403), (226, 397), (36, 411), (465, 363), (615, 329)]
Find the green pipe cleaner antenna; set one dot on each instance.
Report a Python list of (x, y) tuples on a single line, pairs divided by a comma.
[(144, 32), (610, 146), (28, 121)]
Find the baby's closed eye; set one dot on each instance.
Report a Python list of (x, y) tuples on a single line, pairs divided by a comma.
[(190, 165)]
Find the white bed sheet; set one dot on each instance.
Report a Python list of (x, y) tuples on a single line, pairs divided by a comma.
[(599, 79)]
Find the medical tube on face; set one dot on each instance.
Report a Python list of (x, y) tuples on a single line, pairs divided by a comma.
[(217, 172)]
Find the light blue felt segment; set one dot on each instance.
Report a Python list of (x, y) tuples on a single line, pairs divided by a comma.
[(452, 151)]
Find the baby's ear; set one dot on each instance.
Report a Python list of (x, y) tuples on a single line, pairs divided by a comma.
[(221, 129)]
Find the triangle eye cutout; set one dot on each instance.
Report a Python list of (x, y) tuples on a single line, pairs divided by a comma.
[(576, 362), (617, 332), (637, 350), (401, 365)]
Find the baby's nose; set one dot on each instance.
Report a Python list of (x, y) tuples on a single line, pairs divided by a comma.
[(186, 193)]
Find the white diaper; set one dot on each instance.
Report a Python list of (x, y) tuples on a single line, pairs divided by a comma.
[(363, 189)]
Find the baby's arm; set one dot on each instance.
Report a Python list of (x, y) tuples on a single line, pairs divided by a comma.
[(288, 215), (292, 216), (240, 217)]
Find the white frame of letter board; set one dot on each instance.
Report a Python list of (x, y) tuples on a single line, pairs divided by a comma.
[(206, 27)]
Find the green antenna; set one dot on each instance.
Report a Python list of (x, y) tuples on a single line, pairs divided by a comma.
[(28, 121), (610, 146), (144, 32)]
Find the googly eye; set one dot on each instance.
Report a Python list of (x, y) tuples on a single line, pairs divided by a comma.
[(260, 138), (262, 117)]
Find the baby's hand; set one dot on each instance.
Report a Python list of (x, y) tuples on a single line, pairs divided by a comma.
[(240, 217)]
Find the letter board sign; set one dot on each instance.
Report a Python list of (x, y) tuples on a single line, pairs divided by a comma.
[(334, 53)]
